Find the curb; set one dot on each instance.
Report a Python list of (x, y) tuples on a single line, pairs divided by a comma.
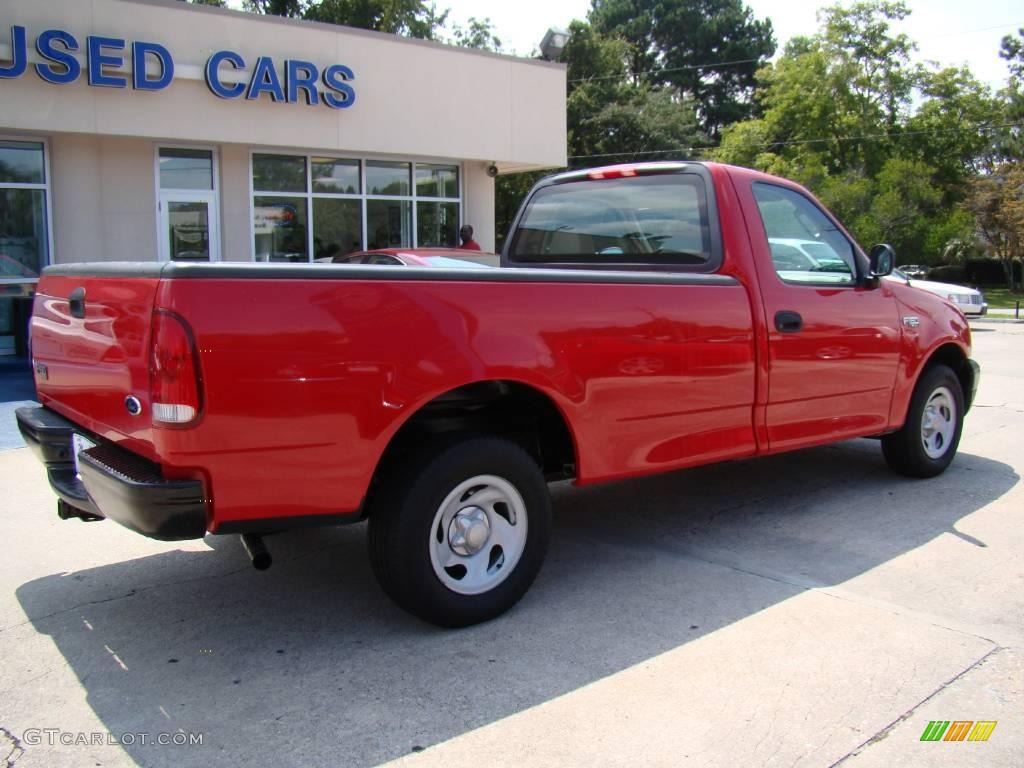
[(999, 320)]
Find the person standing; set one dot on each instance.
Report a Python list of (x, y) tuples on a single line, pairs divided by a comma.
[(468, 243)]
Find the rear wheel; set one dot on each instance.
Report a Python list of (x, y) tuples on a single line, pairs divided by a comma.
[(458, 535), (927, 443)]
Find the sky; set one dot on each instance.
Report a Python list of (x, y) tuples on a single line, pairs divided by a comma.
[(952, 32)]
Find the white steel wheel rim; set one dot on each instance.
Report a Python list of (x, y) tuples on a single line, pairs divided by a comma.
[(478, 535), (938, 423)]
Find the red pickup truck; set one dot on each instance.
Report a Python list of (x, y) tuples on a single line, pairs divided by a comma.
[(646, 318)]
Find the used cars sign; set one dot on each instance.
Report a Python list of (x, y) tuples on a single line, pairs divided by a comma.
[(105, 59)]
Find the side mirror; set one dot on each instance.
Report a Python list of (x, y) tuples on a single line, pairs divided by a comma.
[(881, 260)]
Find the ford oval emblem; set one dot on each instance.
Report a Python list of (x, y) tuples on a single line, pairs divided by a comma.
[(133, 405)]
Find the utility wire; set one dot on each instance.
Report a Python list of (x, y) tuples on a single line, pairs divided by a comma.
[(981, 29), (663, 71), (717, 64), (866, 137)]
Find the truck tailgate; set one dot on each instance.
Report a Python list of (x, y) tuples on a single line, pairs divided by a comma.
[(90, 350)]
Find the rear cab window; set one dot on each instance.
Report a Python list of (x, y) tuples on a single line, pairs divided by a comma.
[(654, 221)]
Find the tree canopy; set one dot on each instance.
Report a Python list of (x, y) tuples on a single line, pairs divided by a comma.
[(412, 18), (890, 146), (706, 51)]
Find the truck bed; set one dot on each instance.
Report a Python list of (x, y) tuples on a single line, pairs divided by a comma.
[(310, 370)]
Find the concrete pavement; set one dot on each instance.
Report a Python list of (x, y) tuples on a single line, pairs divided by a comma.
[(811, 609)]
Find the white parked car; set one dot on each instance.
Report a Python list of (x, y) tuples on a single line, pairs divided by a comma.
[(791, 254), (969, 300)]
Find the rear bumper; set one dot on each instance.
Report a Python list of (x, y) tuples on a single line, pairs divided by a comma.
[(114, 483)]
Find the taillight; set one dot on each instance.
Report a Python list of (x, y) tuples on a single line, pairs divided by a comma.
[(618, 172), (174, 381)]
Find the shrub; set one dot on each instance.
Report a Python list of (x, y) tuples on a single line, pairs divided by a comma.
[(950, 273), (989, 272)]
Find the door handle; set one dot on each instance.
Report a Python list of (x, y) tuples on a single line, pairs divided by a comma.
[(787, 321)]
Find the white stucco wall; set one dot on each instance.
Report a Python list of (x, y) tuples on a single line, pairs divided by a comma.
[(104, 199), (413, 98), (235, 217)]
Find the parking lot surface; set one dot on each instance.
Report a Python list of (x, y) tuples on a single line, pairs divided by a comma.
[(811, 609)]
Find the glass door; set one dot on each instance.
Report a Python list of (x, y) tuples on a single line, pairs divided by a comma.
[(188, 228), (188, 204), (24, 237)]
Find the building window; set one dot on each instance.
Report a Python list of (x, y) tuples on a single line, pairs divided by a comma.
[(24, 235), (315, 207), (437, 209), (24, 226), (188, 204)]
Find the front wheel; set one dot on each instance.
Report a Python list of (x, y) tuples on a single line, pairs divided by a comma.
[(458, 535), (928, 440)]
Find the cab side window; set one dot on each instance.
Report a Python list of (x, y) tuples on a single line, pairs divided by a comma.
[(806, 247)]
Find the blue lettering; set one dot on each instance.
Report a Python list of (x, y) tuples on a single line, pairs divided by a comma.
[(98, 60), (65, 67), (264, 80), (335, 78), (213, 80), (301, 76), (19, 61), (140, 81), (59, 65)]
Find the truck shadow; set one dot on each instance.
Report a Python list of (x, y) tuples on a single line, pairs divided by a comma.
[(309, 662)]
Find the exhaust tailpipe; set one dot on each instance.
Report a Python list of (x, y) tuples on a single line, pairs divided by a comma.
[(257, 551), (66, 512)]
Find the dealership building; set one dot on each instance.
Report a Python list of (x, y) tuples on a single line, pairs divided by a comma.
[(155, 130)]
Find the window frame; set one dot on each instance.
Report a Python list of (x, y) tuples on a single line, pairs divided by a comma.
[(362, 196), (47, 197)]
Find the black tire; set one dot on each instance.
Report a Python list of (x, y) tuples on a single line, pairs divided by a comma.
[(918, 449), (423, 504)]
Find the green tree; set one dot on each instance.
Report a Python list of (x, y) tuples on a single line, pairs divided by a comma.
[(1012, 49), (905, 203), (411, 18), (707, 51), (997, 202), (954, 129), (477, 34), (838, 94), (291, 8), (838, 114), (509, 192), (613, 119)]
